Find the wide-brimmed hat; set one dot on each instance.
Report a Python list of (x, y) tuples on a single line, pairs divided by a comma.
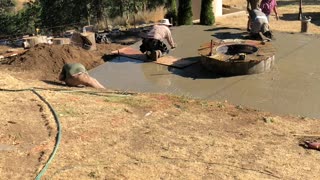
[(165, 22)]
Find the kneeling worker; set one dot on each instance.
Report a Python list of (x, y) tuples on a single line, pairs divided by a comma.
[(259, 25), (75, 74), (153, 45)]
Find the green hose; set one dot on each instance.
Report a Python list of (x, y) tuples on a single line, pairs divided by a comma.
[(58, 137), (59, 134)]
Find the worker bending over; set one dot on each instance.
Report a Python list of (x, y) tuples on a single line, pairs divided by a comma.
[(75, 74), (259, 27), (153, 44)]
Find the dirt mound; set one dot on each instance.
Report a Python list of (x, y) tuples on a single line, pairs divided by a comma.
[(46, 61)]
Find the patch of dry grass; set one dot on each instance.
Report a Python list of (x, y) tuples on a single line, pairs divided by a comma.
[(140, 18)]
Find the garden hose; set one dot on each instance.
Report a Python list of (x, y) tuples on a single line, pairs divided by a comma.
[(58, 137), (59, 129)]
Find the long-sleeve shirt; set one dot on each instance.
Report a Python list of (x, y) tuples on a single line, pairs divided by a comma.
[(161, 32), (267, 6)]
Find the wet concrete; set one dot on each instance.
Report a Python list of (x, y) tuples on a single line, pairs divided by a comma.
[(292, 87)]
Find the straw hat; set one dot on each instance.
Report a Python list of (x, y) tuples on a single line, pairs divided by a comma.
[(165, 22)]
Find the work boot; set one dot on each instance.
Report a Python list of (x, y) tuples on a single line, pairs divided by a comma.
[(148, 54), (155, 55)]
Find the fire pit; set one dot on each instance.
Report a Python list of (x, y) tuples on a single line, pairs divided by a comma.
[(237, 57)]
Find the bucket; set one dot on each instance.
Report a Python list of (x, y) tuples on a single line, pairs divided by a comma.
[(304, 25)]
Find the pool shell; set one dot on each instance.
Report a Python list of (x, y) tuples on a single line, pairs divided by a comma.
[(237, 57)]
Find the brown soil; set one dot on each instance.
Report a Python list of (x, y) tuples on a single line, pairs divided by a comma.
[(44, 62), (107, 135)]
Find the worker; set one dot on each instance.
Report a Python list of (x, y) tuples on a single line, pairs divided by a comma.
[(251, 5), (153, 43), (267, 6), (75, 74), (259, 27)]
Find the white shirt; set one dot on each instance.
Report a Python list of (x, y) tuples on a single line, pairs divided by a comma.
[(161, 32)]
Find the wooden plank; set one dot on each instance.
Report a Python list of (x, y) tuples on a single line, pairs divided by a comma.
[(11, 54), (165, 60), (131, 53), (176, 62)]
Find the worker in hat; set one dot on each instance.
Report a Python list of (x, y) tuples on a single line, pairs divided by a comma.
[(75, 74), (153, 43)]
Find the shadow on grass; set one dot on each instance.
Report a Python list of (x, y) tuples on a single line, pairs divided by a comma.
[(229, 33), (294, 17), (55, 83), (290, 2), (222, 28)]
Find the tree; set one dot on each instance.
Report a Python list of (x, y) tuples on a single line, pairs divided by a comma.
[(6, 18), (5, 6), (172, 13), (58, 15), (185, 12), (206, 15), (27, 20), (23, 22)]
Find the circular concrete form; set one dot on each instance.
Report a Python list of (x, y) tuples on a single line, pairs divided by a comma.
[(237, 56)]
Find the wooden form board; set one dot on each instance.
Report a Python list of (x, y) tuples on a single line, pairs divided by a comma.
[(11, 54), (165, 60), (131, 53)]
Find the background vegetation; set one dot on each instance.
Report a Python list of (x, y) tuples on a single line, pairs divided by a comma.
[(206, 15), (185, 12), (54, 16)]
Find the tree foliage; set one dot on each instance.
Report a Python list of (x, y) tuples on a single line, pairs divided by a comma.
[(172, 13), (59, 15), (6, 6), (21, 22), (185, 12), (206, 15)]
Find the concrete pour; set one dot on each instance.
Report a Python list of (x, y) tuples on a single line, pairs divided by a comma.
[(291, 87)]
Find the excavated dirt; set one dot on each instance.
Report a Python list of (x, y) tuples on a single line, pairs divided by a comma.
[(44, 62)]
